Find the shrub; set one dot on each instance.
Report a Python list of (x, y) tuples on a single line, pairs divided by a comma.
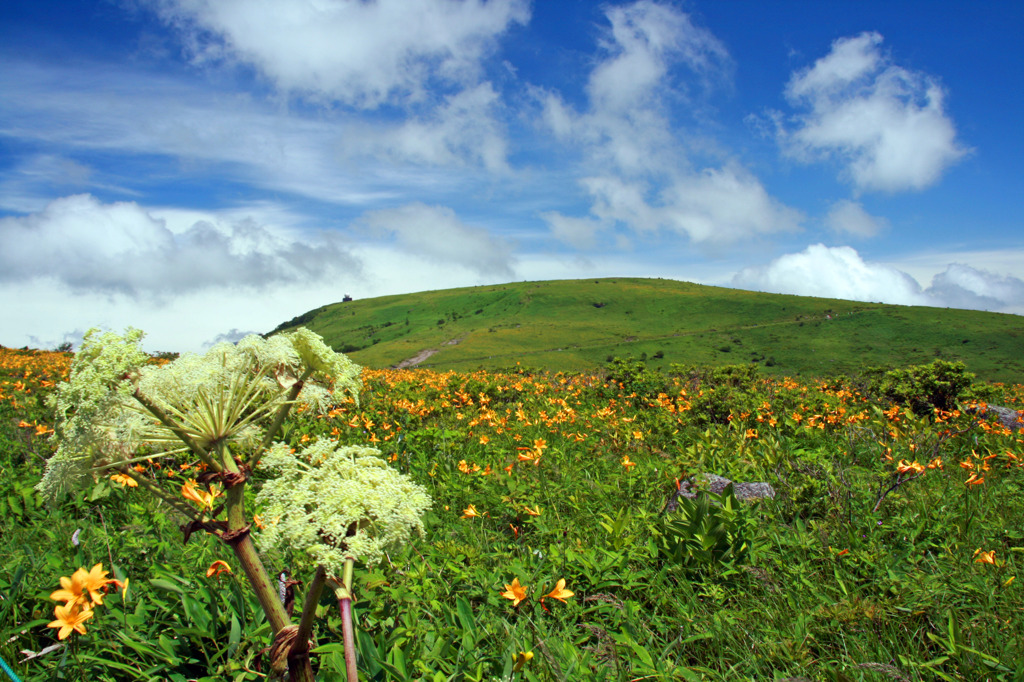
[(633, 376), (925, 387)]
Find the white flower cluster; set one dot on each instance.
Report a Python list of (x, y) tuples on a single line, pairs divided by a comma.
[(333, 502), (223, 397), (101, 382)]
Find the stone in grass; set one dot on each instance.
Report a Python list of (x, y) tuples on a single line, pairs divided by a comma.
[(1010, 418), (716, 484)]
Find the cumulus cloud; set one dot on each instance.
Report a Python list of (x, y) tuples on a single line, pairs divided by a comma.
[(646, 39), (884, 124), (363, 54), (640, 175), (726, 204), (840, 272), (962, 286), (849, 217), (122, 248), (436, 234), (832, 272)]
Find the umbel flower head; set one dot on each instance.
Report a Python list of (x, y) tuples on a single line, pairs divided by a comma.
[(115, 403), (331, 502)]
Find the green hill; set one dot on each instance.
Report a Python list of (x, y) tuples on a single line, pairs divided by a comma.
[(577, 325)]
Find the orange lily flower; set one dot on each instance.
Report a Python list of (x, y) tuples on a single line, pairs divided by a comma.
[(985, 557), (515, 592), (559, 593), (626, 462), (217, 567), (904, 467), (201, 497), (470, 512)]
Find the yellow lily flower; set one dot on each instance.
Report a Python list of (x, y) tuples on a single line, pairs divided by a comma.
[(69, 618), (94, 581), (124, 480), (72, 589), (521, 660)]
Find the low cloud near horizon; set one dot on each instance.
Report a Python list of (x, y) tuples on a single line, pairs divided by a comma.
[(840, 272), (139, 255)]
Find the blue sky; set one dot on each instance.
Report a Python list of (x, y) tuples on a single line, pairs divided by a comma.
[(202, 169)]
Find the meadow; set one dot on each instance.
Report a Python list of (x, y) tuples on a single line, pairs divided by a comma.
[(580, 325), (889, 552)]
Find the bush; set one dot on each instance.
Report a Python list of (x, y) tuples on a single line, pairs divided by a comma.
[(633, 376), (940, 384)]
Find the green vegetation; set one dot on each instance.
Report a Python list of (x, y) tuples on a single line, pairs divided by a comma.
[(890, 551), (580, 325)]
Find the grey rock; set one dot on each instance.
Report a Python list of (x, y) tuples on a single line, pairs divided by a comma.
[(1010, 418), (716, 484)]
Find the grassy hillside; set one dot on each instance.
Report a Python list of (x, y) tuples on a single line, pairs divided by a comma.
[(580, 324)]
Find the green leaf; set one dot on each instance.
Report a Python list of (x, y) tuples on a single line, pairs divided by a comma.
[(333, 647), (166, 585)]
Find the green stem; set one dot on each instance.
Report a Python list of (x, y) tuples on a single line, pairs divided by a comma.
[(167, 498), (344, 594), (282, 414), (249, 559), (176, 429), (300, 650)]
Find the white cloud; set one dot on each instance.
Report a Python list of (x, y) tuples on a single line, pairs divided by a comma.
[(832, 272), (363, 54), (840, 272), (885, 124), (45, 311), (577, 232), (179, 129), (849, 217), (636, 169), (122, 248), (435, 234), (463, 129), (962, 286), (726, 205), (646, 39)]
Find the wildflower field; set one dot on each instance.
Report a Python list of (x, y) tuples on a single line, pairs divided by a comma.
[(889, 552)]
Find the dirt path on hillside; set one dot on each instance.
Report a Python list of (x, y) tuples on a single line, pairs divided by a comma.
[(423, 355), (416, 359)]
